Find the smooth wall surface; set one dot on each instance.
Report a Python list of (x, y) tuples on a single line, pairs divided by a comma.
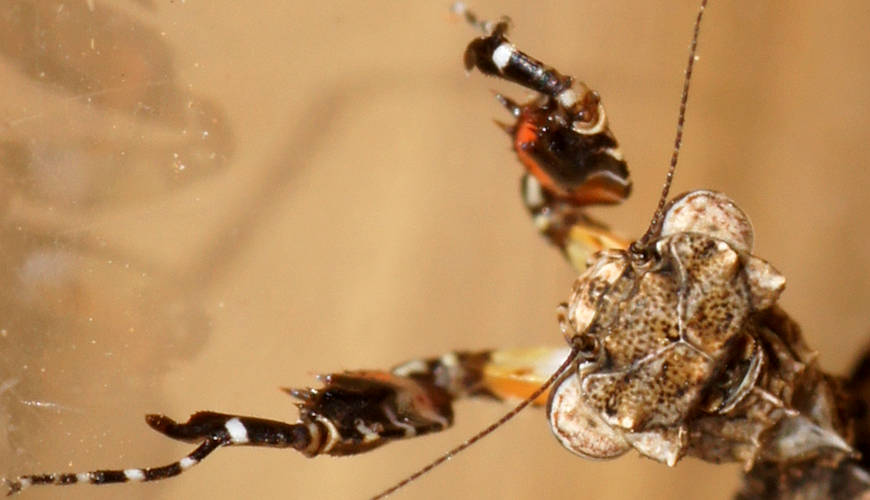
[(202, 202)]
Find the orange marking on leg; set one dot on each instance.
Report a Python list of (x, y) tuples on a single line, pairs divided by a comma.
[(517, 373)]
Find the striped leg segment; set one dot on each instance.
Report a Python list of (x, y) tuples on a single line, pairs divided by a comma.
[(352, 412), (115, 476), (233, 430)]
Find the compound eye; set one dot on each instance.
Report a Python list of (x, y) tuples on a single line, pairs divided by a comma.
[(577, 427), (712, 214)]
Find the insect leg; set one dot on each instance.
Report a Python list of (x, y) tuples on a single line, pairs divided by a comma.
[(566, 225), (352, 412), (515, 374), (117, 475), (563, 140), (493, 54), (212, 430)]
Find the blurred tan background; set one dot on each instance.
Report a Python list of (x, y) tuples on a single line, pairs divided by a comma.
[(204, 201)]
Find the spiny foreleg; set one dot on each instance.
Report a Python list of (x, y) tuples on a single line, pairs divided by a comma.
[(561, 137), (352, 412)]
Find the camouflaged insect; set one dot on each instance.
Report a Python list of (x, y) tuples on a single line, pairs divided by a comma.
[(686, 353), (677, 345)]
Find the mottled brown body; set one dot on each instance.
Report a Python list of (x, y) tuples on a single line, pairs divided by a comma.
[(688, 354)]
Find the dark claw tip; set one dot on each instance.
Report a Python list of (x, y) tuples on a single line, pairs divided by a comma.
[(158, 422), (469, 59)]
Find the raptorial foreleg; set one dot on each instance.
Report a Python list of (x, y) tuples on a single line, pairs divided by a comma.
[(352, 412)]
